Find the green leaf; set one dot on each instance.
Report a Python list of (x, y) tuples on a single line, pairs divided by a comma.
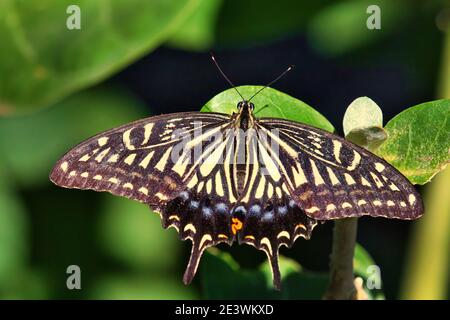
[(362, 112), (341, 28), (30, 145), (268, 103), (198, 32), (369, 138), (223, 279), (43, 61), (419, 141), (363, 123), (132, 233)]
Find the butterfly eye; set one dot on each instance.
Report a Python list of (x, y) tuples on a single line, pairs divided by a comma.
[(239, 105), (251, 106)]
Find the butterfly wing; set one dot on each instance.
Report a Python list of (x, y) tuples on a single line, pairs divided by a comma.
[(332, 178), (170, 162)]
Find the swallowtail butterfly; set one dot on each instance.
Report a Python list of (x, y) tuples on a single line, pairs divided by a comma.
[(219, 178)]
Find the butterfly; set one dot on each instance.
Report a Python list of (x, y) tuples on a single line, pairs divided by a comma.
[(219, 178)]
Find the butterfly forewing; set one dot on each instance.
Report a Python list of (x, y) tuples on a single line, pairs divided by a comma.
[(131, 160), (334, 178)]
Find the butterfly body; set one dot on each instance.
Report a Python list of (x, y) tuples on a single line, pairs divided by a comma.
[(219, 178)]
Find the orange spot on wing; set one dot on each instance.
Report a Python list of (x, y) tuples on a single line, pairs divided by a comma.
[(236, 225)]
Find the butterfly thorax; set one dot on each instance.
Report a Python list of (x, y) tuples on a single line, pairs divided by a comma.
[(243, 121)]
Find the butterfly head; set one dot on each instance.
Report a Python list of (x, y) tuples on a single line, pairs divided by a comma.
[(245, 106), (244, 118)]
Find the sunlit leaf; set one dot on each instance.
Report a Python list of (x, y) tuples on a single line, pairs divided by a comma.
[(363, 123), (419, 140), (362, 112), (42, 60), (268, 103)]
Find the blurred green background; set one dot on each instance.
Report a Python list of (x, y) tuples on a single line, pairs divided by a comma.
[(136, 58)]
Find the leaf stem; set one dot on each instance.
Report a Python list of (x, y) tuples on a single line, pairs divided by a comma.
[(341, 285)]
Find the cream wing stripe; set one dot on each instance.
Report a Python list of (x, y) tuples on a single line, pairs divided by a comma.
[(226, 170), (250, 186)]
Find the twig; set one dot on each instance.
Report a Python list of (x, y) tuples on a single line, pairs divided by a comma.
[(341, 285)]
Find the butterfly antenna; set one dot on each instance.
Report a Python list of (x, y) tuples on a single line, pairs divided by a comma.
[(224, 75), (273, 81)]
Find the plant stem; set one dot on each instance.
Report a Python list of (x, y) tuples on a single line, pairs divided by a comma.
[(426, 268), (341, 285), (426, 271)]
